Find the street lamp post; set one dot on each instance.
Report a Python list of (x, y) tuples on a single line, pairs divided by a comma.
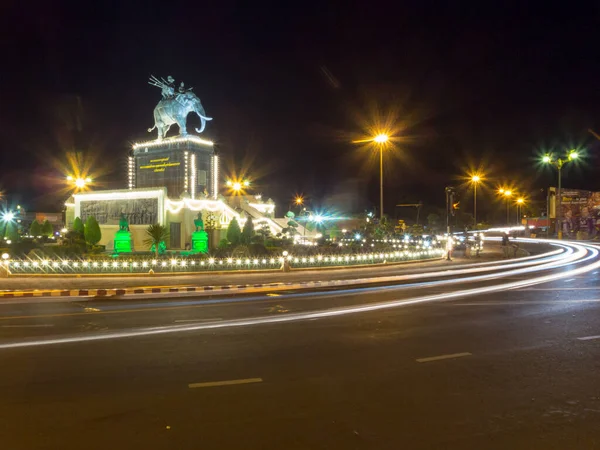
[(475, 179), (559, 163), (381, 140), (507, 194), (520, 202)]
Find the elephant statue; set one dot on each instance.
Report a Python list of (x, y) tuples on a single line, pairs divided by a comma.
[(175, 110)]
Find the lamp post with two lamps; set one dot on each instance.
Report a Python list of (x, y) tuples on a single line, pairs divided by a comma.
[(573, 155)]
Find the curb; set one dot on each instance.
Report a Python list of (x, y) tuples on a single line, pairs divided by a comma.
[(108, 293)]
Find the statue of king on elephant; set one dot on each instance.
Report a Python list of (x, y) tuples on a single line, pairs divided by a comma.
[(174, 108)]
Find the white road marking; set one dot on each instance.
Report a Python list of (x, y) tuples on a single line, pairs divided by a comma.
[(588, 338), (437, 358), (26, 326), (523, 302), (582, 254), (224, 383), (562, 289), (198, 320)]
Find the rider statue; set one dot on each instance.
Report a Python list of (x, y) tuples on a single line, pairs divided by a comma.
[(167, 88), (177, 102), (199, 222), (123, 223)]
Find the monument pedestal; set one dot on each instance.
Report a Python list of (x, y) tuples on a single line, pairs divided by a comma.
[(199, 242), (123, 241)]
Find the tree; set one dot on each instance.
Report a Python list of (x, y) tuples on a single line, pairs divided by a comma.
[(35, 229), (248, 231), (264, 231), (78, 226), (234, 233), (92, 231), (47, 229), (434, 222), (155, 234), (11, 232)]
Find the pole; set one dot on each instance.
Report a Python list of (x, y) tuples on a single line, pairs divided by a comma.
[(475, 205), (507, 212), (548, 213), (559, 209), (381, 182), (448, 245)]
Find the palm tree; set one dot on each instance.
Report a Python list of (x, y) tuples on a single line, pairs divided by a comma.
[(155, 235)]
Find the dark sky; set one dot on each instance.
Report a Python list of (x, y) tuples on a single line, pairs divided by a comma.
[(289, 85)]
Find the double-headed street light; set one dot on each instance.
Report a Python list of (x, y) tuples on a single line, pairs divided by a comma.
[(238, 186), (573, 155)]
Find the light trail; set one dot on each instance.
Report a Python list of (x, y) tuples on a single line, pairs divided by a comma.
[(335, 312)]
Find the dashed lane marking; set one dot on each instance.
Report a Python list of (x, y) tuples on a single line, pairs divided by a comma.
[(225, 383), (438, 358), (588, 338)]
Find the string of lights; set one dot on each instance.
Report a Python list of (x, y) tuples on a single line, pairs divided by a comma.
[(194, 264)]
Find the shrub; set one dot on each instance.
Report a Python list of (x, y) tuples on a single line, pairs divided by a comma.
[(78, 226), (234, 233), (223, 244), (248, 231), (35, 229), (47, 229), (92, 231)]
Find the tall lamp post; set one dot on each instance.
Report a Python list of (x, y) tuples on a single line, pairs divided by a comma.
[(381, 141), (506, 193), (559, 163), (475, 180), (520, 202)]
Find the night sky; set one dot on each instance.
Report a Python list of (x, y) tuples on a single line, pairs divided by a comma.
[(290, 86)]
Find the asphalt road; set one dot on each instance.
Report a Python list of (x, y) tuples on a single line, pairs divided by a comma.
[(486, 363)]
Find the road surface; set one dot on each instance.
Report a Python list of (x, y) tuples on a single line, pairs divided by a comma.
[(496, 356)]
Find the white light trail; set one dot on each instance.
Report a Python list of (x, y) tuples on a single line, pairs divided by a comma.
[(326, 313)]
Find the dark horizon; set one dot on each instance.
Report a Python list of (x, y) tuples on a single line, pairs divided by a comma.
[(290, 88)]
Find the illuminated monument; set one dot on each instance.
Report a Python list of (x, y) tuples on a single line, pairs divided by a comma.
[(170, 181)]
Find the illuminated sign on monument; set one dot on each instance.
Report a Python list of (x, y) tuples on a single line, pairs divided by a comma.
[(160, 164), (180, 165)]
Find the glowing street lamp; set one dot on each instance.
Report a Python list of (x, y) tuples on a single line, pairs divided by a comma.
[(475, 180), (572, 155), (507, 194), (237, 186), (381, 139), (520, 202), (79, 182), (8, 216)]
